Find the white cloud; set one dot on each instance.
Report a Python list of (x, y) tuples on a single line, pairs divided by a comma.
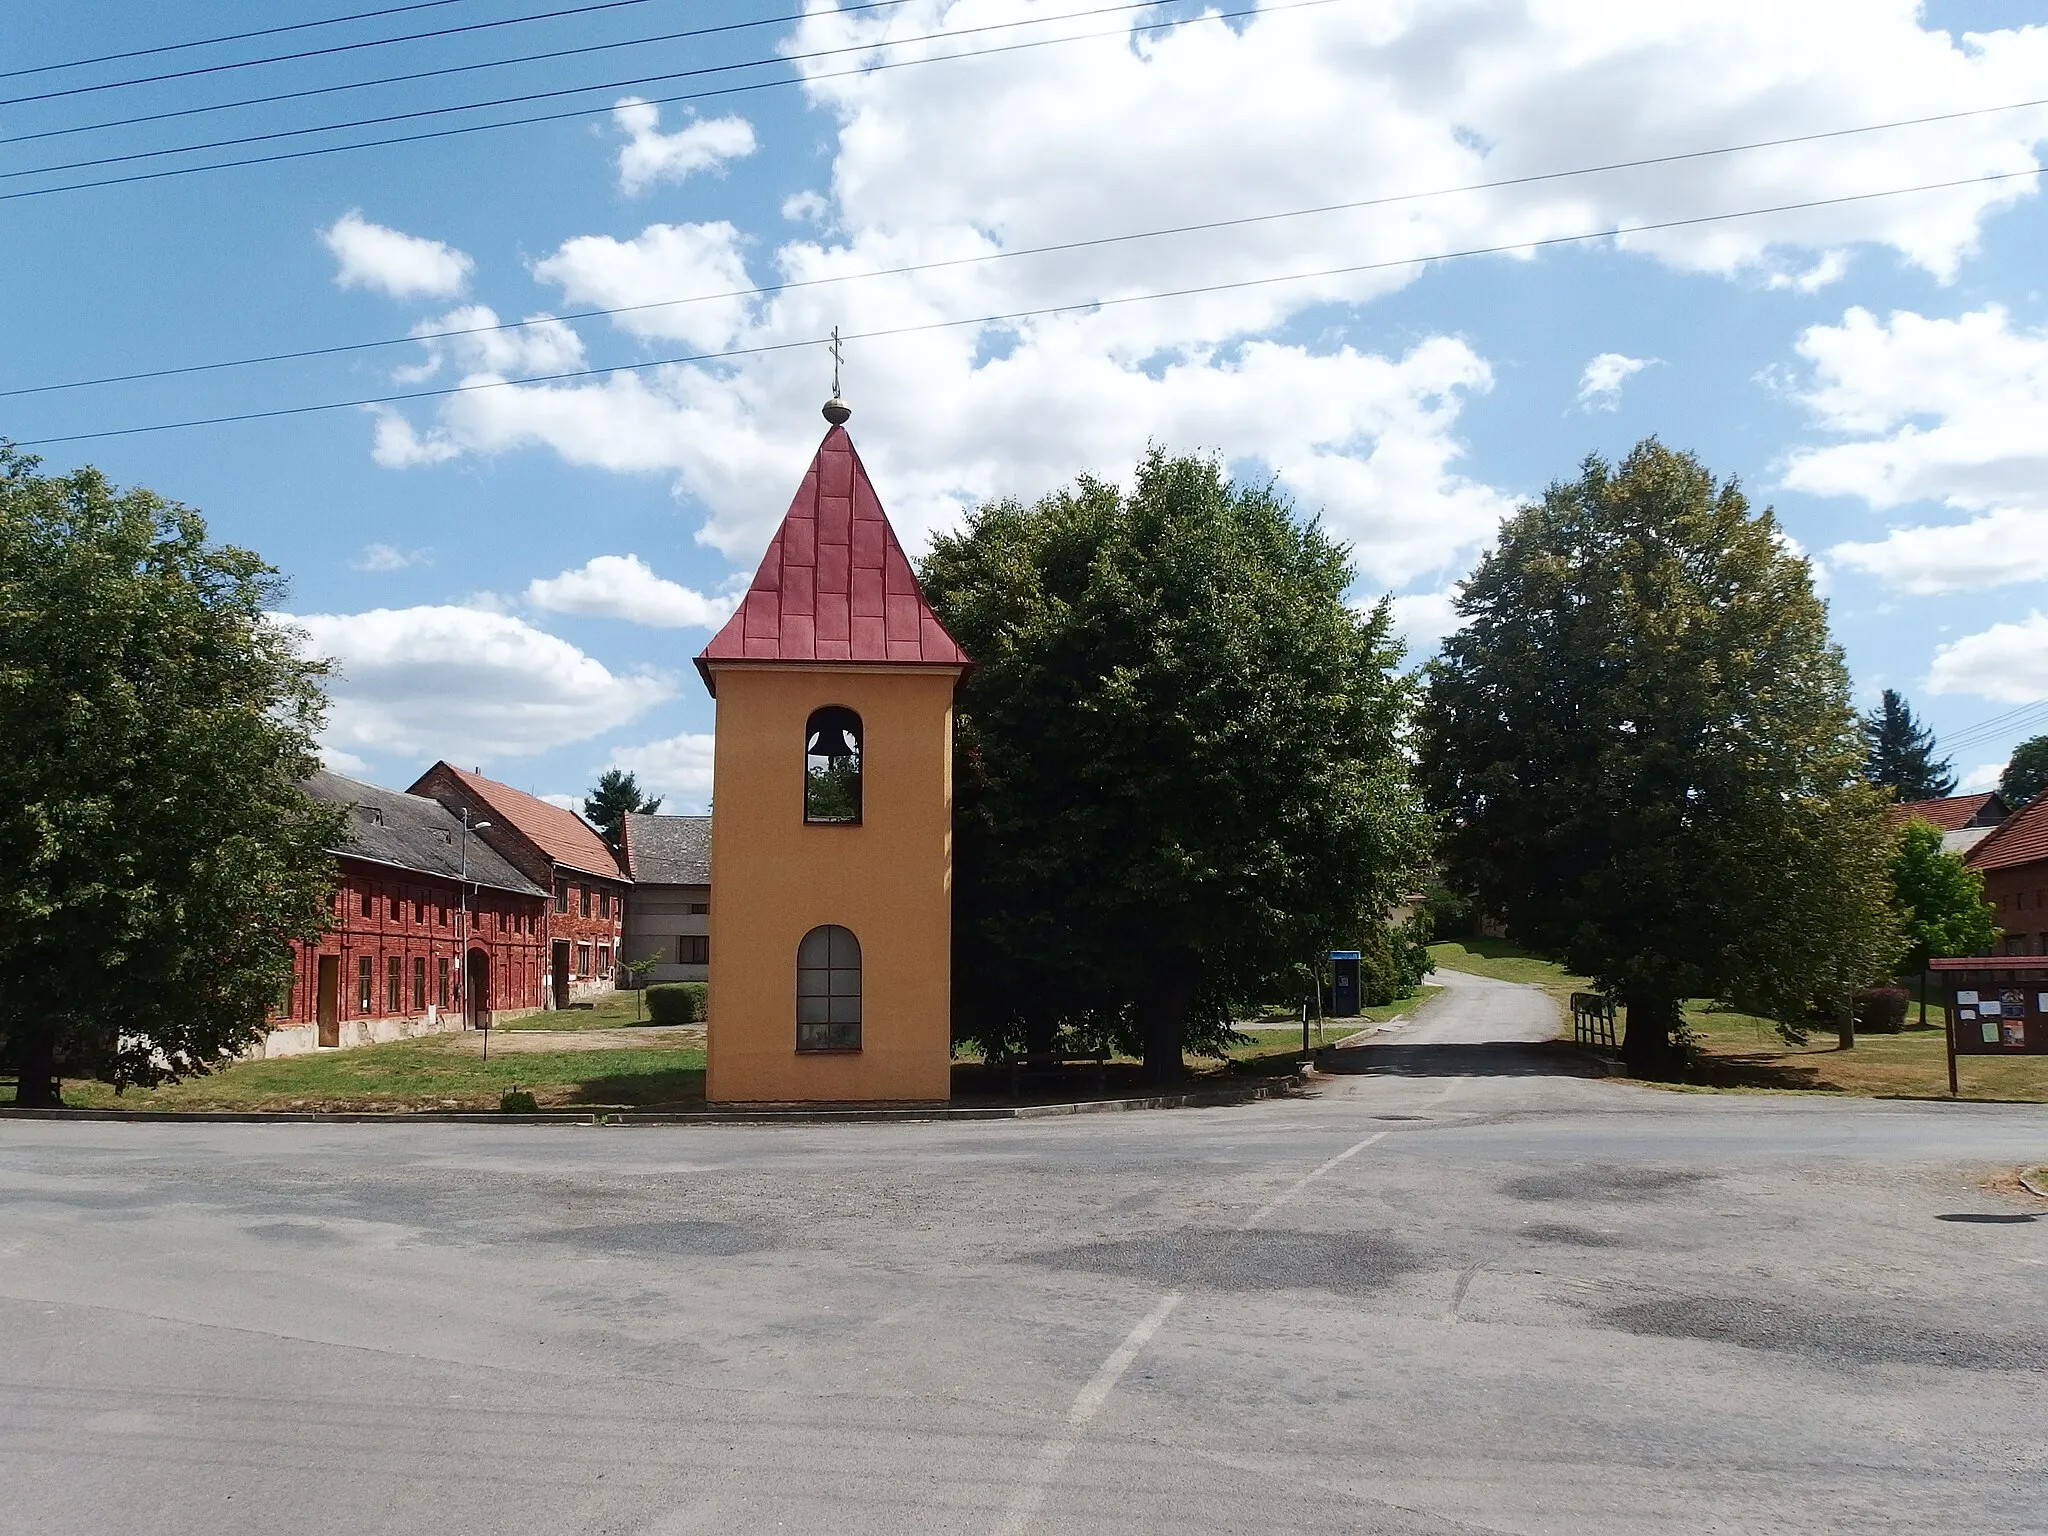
[(1600, 385), (458, 682), (1423, 619), (1983, 776), (649, 155), (2007, 663), (400, 265), (1159, 130), (389, 557), (678, 768), (624, 587), (565, 802), (699, 264), (1948, 411)]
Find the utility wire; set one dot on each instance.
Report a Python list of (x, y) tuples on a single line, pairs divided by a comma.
[(601, 85), (228, 37), (961, 261), (1015, 315), (730, 90), (316, 53), (1984, 731), (431, 74)]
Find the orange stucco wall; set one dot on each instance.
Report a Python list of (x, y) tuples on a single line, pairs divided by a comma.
[(774, 878)]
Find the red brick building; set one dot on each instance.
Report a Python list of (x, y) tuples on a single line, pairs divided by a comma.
[(2014, 862), (413, 947), (560, 852)]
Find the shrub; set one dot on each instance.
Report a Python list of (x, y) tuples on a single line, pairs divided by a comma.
[(1881, 1010), (677, 1002), (517, 1101), (1451, 916)]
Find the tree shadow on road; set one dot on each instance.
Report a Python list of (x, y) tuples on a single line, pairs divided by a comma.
[(1500, 1058)]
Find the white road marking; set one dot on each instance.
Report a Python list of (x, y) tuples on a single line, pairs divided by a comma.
[(1054, 1454)]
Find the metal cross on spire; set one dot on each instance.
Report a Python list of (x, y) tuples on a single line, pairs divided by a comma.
[(836, 410)]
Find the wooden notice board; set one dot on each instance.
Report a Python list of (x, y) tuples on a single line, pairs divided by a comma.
[(1997, 1005)]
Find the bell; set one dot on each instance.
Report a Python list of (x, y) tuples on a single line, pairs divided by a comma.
[(831, 742)]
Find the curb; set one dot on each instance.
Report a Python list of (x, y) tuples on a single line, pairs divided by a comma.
[(2032, 1188), (1211, 1098)]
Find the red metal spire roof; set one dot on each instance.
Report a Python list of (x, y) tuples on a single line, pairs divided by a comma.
[(834, 585)]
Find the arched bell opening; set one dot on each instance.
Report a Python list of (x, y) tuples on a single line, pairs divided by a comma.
[(832, 760)]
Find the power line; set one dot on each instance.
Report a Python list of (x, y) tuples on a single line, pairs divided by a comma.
[(2020, 718), (424, 74), (730, 90), (229, 37), (316, 53), (578, 90), (1015, 315), (993, 256)]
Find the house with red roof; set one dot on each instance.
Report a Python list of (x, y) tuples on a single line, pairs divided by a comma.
[(1964, 820), (561, 853), (2013, 859)]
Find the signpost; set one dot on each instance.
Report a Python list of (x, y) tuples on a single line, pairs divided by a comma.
[(1996, 1005)]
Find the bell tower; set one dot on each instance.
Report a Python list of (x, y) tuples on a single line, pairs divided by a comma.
[(832, 812)]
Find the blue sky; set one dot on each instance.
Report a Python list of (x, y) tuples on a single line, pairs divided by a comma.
[(517, 578)]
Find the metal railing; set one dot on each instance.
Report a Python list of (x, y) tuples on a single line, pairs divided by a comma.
[(1592, 1019)]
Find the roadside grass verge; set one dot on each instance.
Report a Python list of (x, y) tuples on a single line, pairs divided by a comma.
[(1740, 1052), (1271, 1050), (1505, 960), (424, 1074)]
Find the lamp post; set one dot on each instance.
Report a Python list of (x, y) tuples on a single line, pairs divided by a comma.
[(462, 920)]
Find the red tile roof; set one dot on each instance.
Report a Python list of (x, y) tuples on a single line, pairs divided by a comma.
[(562, 835), (1951, 815), (834, 585), (2022, 838)]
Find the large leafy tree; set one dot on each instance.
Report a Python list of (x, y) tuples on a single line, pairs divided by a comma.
[(157, 856), (2026, 772), (1642, 744), (1900, 752), (1180, 774), (1940, 899), (616, 794)]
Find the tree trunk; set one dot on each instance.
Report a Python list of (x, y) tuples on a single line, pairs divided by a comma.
[(1845, 1029), (1923, 996), (1162, 1023), (35, 1082), (1647, 1046)]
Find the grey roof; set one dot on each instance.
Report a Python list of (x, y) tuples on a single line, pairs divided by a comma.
[(668, 850), (414, 832)]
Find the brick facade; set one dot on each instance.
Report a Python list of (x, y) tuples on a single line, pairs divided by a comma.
[(558, 851)]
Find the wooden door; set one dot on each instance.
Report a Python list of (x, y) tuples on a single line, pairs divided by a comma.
[(561, 973), (329, 1008)]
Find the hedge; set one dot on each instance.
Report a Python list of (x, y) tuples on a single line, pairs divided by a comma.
[(677, 1002)]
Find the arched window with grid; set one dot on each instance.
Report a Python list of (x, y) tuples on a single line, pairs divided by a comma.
[(828, 990)]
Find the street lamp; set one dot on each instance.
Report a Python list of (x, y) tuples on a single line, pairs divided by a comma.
[(462, 919)]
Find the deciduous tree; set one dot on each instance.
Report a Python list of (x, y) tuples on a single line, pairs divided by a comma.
[(1180, 773), (157, 856), (2026, 772), (1940, 900), (1642, 745)]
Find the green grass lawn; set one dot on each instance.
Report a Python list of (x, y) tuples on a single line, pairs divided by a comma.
[(1742, 1053), (423, 1074), (615, 1010)]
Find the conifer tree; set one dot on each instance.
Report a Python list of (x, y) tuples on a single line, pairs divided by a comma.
[(616, 794), (2026, 772), (1900, 752)]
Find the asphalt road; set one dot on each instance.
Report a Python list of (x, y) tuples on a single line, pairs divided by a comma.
[(1462, 1294)]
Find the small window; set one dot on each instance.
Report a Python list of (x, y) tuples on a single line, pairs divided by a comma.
[(441, 980), (419, 983), (832, 747), (391, 908), (583, 901), (365, 899), (699, 908), (561, 896), (366, 984), (604, 959), (394, 1000), (582, 959), (604, 903), (693, 949), (828, 990)]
